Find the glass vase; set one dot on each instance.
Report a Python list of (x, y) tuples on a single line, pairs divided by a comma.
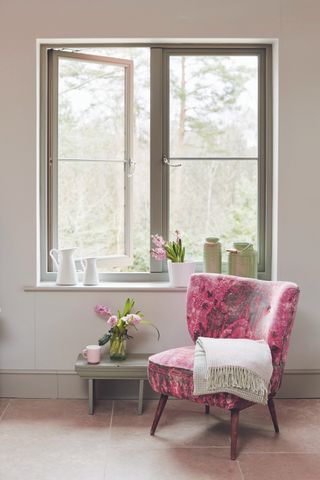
[(118, 348)]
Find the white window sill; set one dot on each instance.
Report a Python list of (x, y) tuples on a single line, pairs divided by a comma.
[(106, 286)]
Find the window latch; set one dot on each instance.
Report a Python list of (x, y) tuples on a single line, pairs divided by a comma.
[(166, 161), (132, 168)]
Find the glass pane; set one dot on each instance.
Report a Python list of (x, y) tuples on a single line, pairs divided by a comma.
[(91, 110), (213, 106), (96, 143), (214, 198), (141, 153), (91, 207)]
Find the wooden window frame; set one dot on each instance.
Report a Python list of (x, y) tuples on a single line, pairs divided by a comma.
[(159, 172)]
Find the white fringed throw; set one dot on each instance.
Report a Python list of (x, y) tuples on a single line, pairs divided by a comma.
[(239, 366)]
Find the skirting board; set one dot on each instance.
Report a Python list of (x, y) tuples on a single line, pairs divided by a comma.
[(67, 384)]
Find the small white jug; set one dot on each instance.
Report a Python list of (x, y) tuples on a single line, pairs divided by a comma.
[(90, 276), (64, 263)]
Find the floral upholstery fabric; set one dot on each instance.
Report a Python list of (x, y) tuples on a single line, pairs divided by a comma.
[(171, 373), (223, 306)]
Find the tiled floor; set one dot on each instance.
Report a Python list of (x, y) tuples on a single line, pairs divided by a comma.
[(58, 440)]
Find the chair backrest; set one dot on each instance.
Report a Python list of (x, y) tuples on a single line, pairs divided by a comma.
[(223, 306)]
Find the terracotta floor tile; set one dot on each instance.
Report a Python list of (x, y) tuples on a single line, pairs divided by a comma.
[(52, 460), (3, 405), (298, 422), (53, 439), (285, 466), (56, 414), (40, 409), (181, 424), (174, 463)]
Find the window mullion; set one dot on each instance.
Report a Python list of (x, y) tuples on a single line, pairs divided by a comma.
[(268, 169), (156, 133), (165, 144), (261, 163)]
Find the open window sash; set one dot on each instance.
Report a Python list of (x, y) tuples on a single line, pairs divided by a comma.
[(56, 157)]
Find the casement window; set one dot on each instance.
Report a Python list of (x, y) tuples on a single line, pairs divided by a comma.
[(142, 139)]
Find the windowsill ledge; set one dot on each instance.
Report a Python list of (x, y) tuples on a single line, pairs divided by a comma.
[(106, 286)]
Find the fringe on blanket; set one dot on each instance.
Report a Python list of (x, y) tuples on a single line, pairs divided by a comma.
[(234, 379)]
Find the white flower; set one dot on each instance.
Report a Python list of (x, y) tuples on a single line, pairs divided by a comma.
[(132, 319)]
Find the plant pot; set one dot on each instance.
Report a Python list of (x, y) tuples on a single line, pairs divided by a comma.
[(180, 273), (118, 348)]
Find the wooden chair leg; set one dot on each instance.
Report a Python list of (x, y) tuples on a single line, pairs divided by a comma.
[(234, 432), (157, 416), (273, 414), (207, 410)]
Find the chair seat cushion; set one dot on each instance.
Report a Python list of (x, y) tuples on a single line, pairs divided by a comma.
[(171, 373), (175, 357)]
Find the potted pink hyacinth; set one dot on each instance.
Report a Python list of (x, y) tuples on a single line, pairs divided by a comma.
[(119, 326), (179, 270)]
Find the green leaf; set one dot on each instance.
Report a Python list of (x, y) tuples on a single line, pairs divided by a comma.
[(173, 251), (174, 247), (147, 322), (128, 306), (105, 339)]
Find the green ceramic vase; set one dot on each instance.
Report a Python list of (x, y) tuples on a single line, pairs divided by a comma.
[(242, 260)]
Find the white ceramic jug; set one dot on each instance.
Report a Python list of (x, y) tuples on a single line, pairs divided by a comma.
[(90, 276), (67, 274)]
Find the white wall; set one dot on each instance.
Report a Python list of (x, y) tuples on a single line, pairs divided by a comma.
[(45, 330)]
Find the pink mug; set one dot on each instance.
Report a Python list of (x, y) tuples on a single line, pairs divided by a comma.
[(92, 353)]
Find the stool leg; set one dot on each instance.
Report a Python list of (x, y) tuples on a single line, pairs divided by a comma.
[(140, 403), (160, 408), (91, 395)]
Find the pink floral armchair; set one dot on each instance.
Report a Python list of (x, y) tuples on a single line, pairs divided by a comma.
[(223, 306)]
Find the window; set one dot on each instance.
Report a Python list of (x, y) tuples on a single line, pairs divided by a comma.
[(141, 139)]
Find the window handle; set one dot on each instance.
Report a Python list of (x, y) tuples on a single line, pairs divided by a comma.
[(132, 168), (170, 164)]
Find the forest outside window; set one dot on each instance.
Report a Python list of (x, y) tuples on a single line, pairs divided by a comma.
[(142, 139)]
